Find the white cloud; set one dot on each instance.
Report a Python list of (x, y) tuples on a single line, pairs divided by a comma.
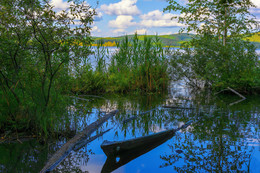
[(119, 31), (122, 22), (141, 31), (95, 29), (156, 15), (124, 7), (59, 4), (256, 2), (256, 11), (159, 19)]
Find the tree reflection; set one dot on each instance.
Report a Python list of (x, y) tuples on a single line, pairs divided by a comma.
[(75, 162), (218, 142)]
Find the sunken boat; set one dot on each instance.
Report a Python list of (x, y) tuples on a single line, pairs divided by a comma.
[(110, 147), (122, 152)]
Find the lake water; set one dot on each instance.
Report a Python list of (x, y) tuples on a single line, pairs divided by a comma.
[(111, 50), (224, 135)]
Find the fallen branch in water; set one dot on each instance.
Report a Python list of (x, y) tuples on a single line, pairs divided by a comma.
[(59, 155), (221, 91), (184, 126), (86, 141), (93, 96), (236, 102), (232, 90)]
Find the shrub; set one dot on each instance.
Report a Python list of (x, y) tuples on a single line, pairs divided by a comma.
[(205, 61)]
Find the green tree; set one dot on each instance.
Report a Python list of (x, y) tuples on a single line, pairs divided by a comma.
[(38, 47), (216, 17), (217, 56)]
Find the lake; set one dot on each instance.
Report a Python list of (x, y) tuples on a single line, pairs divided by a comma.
[(224, 135)]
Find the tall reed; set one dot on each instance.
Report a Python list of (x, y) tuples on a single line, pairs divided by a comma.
[(138, 65), (142, 63)]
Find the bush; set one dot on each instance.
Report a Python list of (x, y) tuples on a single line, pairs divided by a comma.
[(206, 62), (38, 47)]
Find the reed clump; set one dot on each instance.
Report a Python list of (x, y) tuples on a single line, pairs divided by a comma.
[(136, 66)]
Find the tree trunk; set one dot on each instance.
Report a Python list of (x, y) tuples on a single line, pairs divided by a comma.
[(59, 155)]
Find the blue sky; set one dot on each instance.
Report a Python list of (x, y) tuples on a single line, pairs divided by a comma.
[(120, 17)]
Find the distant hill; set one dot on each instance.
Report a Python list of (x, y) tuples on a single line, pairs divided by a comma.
[(167, 40), (174, 40)]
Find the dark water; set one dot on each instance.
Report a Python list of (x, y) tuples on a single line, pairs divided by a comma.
[(224, 137)]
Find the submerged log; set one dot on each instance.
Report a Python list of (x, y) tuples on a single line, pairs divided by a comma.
[(119, 147), (122, 152), (64, 151), (86, 141), (118, 159)]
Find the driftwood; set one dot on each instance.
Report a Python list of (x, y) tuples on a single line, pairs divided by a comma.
[(59, 155), (136, 116), (122, 152)]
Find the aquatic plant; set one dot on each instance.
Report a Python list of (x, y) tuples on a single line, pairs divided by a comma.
[(136, 66)]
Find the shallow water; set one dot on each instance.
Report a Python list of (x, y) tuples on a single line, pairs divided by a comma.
[(223, 137)]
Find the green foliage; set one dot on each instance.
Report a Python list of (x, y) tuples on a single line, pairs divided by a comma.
[(218, 57), (215, 17), (89, 81), (39, 49), (207, 62), (138, 65)]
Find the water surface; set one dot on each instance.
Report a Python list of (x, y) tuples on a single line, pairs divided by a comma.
[(223, 138)]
